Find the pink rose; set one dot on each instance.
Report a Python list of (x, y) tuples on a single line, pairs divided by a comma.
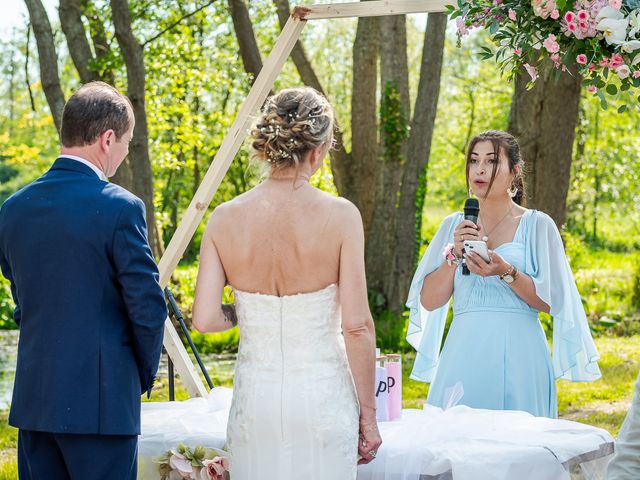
[(592, 89), (572, 27), (569, 17), (551, 44), (555, 58), (583, 15), (215, 469), (604, 62), (636, 74), (533, 73), (581, 59), (543, 8), (615, 4), (616, 61), (512, 14), (555, 14), (592, 67)]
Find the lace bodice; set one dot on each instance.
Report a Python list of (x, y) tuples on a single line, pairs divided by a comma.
[(294, 397)]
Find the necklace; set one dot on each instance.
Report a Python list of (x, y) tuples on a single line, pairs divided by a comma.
[(485, 238)]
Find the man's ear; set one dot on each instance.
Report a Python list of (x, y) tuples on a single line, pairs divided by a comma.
[(106, 139)]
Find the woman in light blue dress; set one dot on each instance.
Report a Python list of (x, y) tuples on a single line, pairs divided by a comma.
[(496, 349)]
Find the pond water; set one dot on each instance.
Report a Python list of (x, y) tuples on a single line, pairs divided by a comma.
[(220, 367)]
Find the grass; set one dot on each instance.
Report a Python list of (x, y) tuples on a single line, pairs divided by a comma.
[(8, 443)]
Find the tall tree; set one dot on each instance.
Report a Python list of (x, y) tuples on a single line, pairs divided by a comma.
[(139, 150), (243, 27), (79, 49), (48, 59), (544, 119)]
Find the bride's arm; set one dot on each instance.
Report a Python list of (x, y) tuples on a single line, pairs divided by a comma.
[(209, 315), (357, 326)]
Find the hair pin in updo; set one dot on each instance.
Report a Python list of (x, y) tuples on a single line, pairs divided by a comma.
[(273, 157), (271, 130)]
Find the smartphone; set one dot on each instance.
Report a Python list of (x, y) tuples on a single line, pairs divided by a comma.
[(479, 247)]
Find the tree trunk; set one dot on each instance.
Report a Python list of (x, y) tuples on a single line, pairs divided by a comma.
[(394, 133), (360, 170), (99, 40), (249, 51), (139, 149), (412, 191), (544, 120), (73, 28), (48, 59)]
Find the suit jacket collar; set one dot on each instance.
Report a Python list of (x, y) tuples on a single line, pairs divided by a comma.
[(63, 163)]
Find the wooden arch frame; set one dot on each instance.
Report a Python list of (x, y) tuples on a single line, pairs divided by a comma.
[(237, 133)]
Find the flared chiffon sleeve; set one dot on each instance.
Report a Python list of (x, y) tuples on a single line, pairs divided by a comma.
[(427, 327), (574, 354)]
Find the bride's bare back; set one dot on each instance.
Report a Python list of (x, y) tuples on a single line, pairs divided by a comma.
[(281, 238), (286, 237)]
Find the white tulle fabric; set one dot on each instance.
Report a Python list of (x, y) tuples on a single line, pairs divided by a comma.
[(294, 413)]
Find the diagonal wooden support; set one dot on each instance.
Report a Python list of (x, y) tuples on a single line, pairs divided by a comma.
[(237, 133)]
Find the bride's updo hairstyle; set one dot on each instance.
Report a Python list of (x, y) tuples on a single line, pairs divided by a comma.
[(293, 122)]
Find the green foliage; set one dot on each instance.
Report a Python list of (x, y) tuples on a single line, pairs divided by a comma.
[(6, 305), (393, 122), (8, 445)]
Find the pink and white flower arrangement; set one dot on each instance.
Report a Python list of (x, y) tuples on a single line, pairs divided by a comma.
[(598, 39), (199, 463)]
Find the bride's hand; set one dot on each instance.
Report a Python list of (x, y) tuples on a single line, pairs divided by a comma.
[(369, 441)]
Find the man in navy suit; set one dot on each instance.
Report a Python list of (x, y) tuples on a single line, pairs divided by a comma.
[(88, 302)]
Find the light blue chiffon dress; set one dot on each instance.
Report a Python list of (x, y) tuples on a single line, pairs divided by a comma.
[(496, 348)]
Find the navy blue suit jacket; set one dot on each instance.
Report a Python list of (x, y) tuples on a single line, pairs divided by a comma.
[(88, 303)]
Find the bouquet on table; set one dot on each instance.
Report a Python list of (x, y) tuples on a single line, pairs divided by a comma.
[(199, 463), (599, 38)]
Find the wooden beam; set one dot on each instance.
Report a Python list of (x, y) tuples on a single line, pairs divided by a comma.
[(182, 362), (210, 183), (371, 9)]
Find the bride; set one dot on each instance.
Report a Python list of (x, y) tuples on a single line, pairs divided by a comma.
[(303, 404)]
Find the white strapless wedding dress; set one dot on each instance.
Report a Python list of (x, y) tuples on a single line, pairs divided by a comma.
[(294, 414)]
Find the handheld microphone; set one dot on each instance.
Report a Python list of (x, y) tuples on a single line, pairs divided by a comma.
[(471, 212)]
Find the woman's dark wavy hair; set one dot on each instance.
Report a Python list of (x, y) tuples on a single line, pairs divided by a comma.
[(510, 146)]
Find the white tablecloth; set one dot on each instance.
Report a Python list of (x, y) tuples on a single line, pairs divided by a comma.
[(459, 443)]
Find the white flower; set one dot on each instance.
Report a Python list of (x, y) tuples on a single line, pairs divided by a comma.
[(630, 46), (634, 23), (609, 12), (614, 31), (623, 71)]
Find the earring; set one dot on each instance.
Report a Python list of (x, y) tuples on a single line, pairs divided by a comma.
[(470, 193), (512, 191)]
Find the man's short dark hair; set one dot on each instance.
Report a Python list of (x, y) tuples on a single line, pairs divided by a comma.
[(92, 110)]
